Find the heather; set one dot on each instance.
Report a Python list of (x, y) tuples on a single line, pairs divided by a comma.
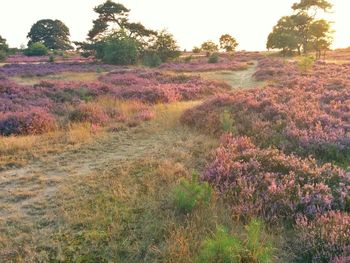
[(306, 113), (57, 97), (274, 185), (43, 69)]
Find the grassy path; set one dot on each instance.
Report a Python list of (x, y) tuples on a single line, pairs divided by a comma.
[(32, 197)]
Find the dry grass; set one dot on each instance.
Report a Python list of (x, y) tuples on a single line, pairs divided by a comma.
[(66, 76), (19, 150)]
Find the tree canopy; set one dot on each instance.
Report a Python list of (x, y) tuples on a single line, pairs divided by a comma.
[(302, 31), (3, 44), (228, 43), (209, 46), (166, 46), (115, 17), (54, 34)]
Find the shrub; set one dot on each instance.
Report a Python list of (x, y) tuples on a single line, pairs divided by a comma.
[(306, 63), (196, 50), (188, 58), (36, 49), (89, 112), (190, 194), (323, 239), (213, 58), (151, 59), (120, 51), (223, 247), (51, 58), (3, 55), (33, 121)]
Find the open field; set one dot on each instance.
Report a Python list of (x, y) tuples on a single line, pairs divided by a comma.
[(152, 165)]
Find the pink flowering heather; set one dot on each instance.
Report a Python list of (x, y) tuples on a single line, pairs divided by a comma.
[(324, 239), (274, 185)]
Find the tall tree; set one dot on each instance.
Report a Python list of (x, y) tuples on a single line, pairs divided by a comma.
[(54, 34), (228, 43), (320, 36), (114, 17), (3, 44), (284, 36), (301, 31)]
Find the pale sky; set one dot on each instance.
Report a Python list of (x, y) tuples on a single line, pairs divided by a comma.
[(191, 21)]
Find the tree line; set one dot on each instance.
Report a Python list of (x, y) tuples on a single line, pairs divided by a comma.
[(115, 39)]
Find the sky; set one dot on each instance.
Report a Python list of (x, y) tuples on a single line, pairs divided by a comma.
[(190, 21)]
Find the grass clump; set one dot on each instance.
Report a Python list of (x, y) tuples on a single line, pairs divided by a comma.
[(189, 194), (213, 58), (224, 247)]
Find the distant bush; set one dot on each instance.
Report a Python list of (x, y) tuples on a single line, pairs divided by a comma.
[(3, 55), (51, 58), (223, 247), (119, 51), (34, 121), (196, 50), (151, 59), (36, 49), (188, 58), (213, 58), (189, 194)]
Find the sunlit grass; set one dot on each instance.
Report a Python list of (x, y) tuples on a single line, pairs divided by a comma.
[(66, 76)]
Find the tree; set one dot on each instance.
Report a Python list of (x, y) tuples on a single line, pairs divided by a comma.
[(320, 36), (54, 34), (301, 31), (209, 47), (3, 45), (284, 36), (166, 46), (114, 17), (306, 5), (228, 43), (119, 50)]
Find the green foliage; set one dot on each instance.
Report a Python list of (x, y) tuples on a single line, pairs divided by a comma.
[(306, 63), (51, 58), (2, 55), (36, 49), (188, 58), (305, 5), (228, 43), (189, 194), (301, 31), (54, 34), (151, 59), (119, 51), (166, 46), (226, 121), (209, 47), (196, 50), (224, 247), (3, 45), (213, 58), (114, 17)]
